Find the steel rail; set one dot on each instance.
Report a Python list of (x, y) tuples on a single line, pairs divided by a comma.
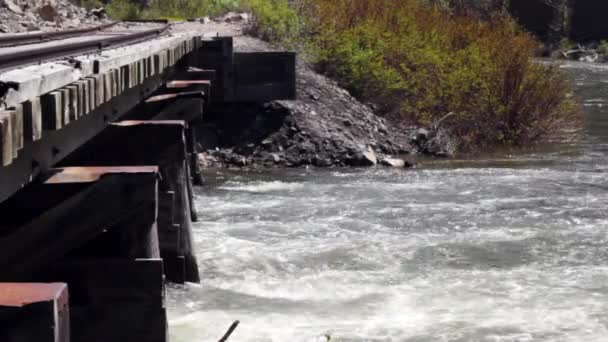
[(39, 55), (7, 40)]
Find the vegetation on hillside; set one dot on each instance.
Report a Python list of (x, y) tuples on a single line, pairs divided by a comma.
[(166, 9), (418, 60)]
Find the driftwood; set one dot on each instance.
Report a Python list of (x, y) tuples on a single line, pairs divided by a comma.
[(229, 332)]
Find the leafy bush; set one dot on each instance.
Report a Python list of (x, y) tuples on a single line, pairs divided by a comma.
[(169, 9), (275, 20), (88, 4), (123, 10), (184, 9), (419, 62)]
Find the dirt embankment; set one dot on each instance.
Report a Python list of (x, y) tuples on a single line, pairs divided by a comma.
[(46, 15), (325, 126)]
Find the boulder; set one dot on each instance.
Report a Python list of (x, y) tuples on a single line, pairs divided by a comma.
[(393, 162), (48, 13), (422, 134), (364, 157), (99, 13)]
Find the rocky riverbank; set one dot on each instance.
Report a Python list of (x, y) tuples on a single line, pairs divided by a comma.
[(49, 15), (324, 127)]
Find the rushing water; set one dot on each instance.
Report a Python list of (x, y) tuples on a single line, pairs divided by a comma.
[(513, 248)]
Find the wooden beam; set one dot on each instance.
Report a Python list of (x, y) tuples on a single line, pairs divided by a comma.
[(46, 222), (34, 312)]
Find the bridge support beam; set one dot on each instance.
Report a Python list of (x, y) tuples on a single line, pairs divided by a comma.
[(34, 312), (93, 228), (161, 143)]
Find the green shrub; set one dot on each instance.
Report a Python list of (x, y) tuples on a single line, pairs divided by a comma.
[(88, 4), (274, 20), (419, 62), (123, 10), (170, 9), (184, 9)]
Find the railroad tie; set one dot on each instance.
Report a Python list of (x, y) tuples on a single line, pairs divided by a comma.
[(32, 120)]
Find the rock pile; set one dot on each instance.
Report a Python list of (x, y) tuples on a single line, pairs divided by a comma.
[(46, 15), (324, 127)]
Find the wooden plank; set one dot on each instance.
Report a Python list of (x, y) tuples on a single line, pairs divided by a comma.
[(118, 86), (6, 139), (264, 76), (99, 281), (34, 312), (156, 63), (119, 322), (153, 143), (74, 109), (107, 86), (124, 77), (91, 95), (32, 120), (168, 233), (141, 71), (114, 299), (80, 98), (17, 128), (65, 100), (83, 91), (99, 89), (52, 111), (133, 78), (53, 230)]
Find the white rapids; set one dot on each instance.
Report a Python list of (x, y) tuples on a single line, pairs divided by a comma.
[(497, 249)]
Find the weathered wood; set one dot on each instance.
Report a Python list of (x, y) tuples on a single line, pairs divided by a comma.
[(152, 143), (52, 111), (36, 233), (168, 233), (141, 71), (32, 120), (195, 171), (91, 92), (84, 93), (125, 77), (6, 139), (107, 86), (74, 109), (99, 89), (118, 85), (17, 128), (82, 110), (34, 312), (114, 299), (119, 321), (67, 106), (95, 282), (264, 76)]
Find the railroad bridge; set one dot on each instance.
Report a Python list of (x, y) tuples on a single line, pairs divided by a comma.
[(98, 146)]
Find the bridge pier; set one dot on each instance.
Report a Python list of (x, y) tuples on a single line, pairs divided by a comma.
[(34, 312), (94, 229), (161, 143), (106, 223)]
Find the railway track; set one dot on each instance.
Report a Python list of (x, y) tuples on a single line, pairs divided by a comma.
[(17, 50)]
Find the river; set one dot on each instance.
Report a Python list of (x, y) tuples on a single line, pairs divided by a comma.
[(502, 248)]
